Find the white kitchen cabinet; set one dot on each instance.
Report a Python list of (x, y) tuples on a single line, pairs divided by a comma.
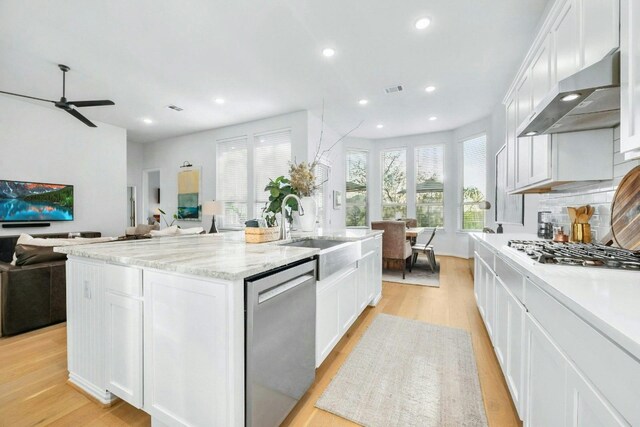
[(501, 340), (189, 365), (630, 79), (515, 354), (546, 161), (600, 27), (479, 283), (348, 304), (336, 309), (511, 144), (546, 375), (523, 96), (123, 332), (541, 72), (365, 280), (85, 308), (123, 318), (376, 265), (566, 41), (490, 303)]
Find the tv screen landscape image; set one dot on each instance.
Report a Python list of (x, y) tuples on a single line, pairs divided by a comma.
[(35, 201)]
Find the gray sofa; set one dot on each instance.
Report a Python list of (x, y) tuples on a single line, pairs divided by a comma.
[(31, 296)]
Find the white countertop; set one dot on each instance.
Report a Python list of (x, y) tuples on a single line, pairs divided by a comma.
[(223, 256), (608, 299)]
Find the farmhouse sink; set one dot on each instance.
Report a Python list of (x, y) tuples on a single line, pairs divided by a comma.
[(334, 254)]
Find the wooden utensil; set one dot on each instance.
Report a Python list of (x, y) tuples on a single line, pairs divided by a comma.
[(625, 211), (583, 218), (572, 214)]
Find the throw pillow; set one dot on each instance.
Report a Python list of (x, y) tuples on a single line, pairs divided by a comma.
[(169, 231), (28, 255), (187, 231)]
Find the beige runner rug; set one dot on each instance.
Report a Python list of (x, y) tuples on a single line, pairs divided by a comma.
[(408, 373)]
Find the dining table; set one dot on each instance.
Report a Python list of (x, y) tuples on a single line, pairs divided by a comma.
[(412, 233)]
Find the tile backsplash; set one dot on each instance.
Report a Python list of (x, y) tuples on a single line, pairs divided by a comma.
[(598, 194)]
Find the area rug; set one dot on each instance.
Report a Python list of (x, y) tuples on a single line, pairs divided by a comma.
[(420, 275), (408, 373)]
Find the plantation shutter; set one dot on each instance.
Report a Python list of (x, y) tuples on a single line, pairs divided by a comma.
[(232, 181), (271, 159)]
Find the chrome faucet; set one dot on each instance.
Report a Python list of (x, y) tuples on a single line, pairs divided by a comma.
[(284, 232)]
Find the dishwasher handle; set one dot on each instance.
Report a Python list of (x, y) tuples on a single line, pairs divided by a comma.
[(266, 295)]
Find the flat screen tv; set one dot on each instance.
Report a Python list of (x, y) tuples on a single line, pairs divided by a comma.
[(35, 201)]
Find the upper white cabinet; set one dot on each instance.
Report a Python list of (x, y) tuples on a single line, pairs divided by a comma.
[(566, 41), (600, 29), (630, 79), (576, 34)]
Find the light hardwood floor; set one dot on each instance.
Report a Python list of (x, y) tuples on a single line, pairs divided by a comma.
[(33, 389)]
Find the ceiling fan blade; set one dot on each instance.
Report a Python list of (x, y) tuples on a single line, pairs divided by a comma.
[(25, 96), (96, 103), (80, 117)]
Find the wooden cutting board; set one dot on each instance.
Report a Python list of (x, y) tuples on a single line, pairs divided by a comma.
[(625, 211)]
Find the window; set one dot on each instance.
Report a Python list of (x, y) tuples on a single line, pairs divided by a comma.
[(356, 209), (271, 159), (394, 184), (321, 172), (430, 186), (231, 180), (474, 188)]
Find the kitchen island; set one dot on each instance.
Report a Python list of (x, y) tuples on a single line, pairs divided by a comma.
[(567, 337), (160, 323)]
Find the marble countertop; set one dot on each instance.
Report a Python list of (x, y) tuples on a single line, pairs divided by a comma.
[(607, 299), (223, 256)]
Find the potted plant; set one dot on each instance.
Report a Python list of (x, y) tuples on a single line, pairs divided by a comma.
[(278, 189)]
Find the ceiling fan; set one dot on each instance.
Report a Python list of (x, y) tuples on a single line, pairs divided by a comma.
[(69, 106)]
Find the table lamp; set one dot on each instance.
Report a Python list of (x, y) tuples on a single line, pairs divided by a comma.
[(213, 208)]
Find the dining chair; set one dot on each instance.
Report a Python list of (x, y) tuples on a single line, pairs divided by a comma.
[(411, 222), (427, 249), (394, 242)]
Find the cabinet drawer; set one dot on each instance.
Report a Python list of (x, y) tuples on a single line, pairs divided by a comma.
[(124, 280), (367, 245), (512, 279), (485, 254), (614, 372)]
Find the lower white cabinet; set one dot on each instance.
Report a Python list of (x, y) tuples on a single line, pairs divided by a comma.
[(550, 378), (546, 374), (123, 318), (557, 393), (336, 309), (342, 297)]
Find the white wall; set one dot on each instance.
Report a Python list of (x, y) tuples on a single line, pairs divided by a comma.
[(43, 144), (200, 150)]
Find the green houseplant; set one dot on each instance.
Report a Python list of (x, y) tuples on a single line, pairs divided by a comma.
[(278, 189)]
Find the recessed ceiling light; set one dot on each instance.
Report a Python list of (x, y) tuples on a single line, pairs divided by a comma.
[(147, 121), (532, 133), (571, 97), (219, 101), (432, 118), (363, 102), (423, 23), (380, 126), (430, 88), (328, 52)]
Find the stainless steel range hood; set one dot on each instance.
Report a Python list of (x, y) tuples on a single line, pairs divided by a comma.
[(596, 106)]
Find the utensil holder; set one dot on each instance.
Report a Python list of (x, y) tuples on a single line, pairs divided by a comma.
[(580, 233)]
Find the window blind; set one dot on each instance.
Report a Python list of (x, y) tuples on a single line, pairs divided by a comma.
[(474, 188), (231, 180), (356, 186), (272, 155), (430, 185)]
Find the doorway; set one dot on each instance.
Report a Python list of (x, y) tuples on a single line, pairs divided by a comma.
[(150, 195)]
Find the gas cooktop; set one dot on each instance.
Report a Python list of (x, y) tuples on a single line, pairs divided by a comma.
[(578, 254)]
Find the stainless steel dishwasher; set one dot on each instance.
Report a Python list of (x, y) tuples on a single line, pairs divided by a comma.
[(280, 341)]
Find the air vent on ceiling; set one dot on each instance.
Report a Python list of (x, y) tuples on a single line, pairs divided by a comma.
[(394, 89), (175, 107)]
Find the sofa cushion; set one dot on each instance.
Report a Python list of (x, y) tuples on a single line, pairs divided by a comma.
[(169, 231), (141, 229), (188, 231), (28, 255), (26, 239)]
